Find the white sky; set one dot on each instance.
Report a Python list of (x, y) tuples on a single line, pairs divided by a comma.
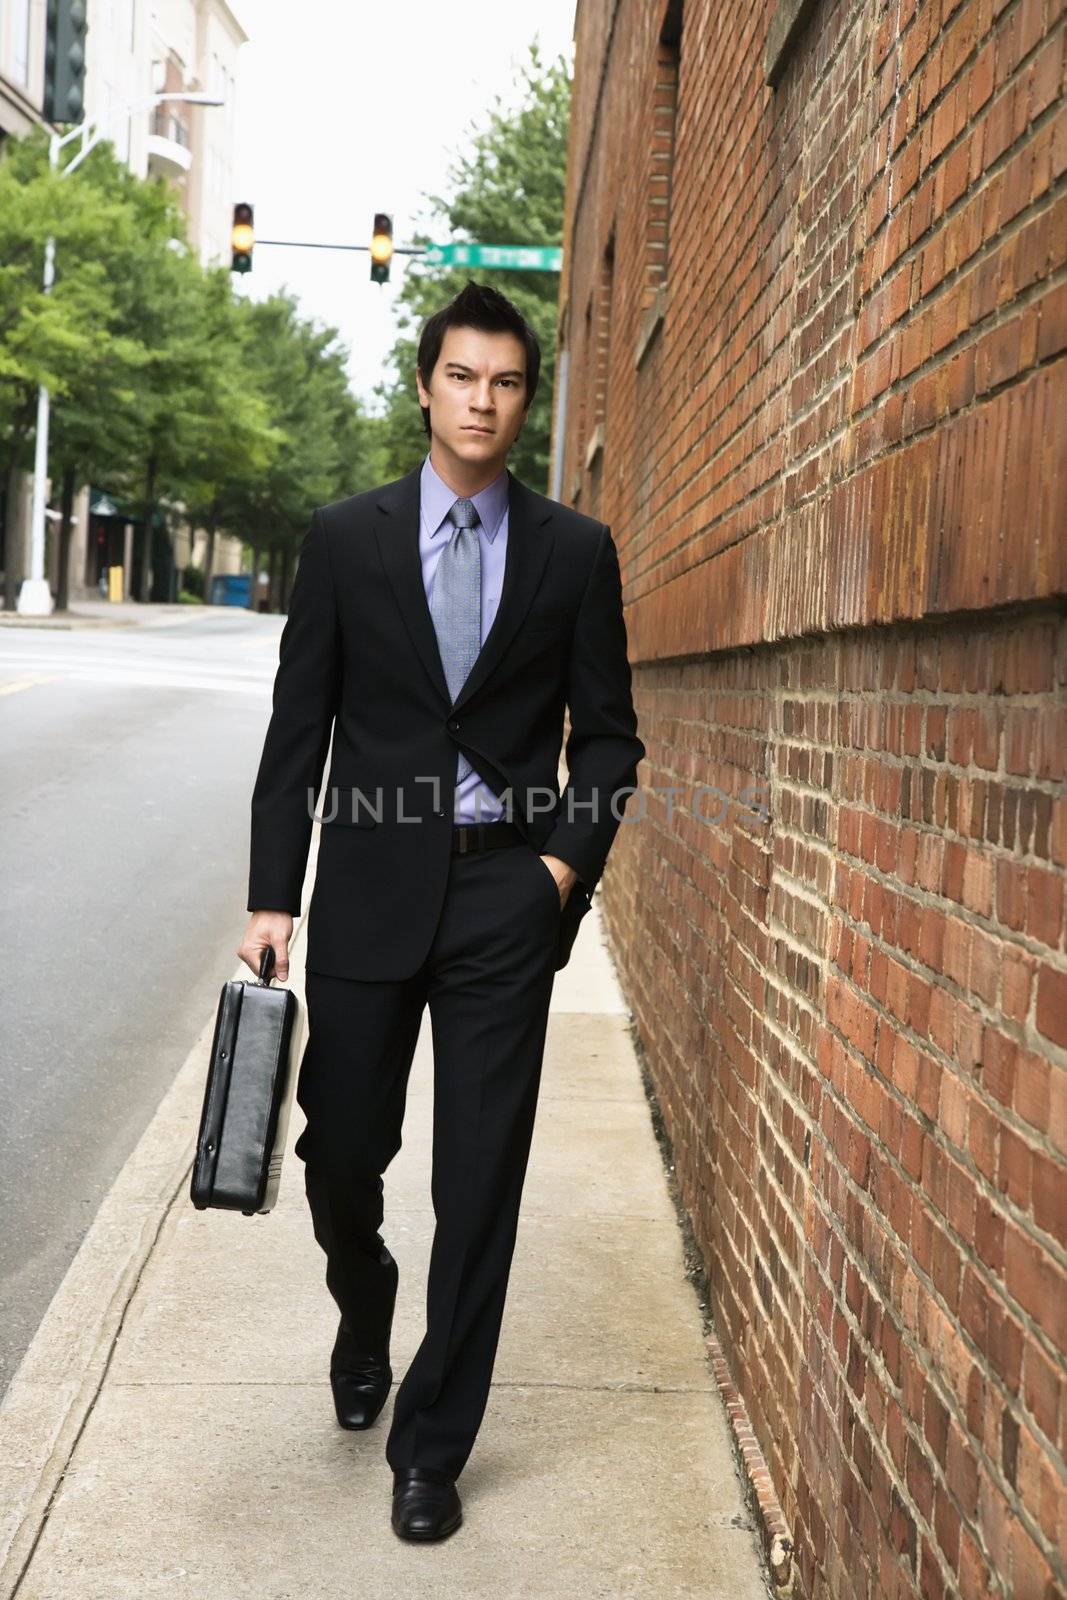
[(347, 109)]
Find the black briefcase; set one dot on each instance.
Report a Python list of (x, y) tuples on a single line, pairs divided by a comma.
[(248, 1095)]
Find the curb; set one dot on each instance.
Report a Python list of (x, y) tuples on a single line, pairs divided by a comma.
[(123, 614), (9, 620)]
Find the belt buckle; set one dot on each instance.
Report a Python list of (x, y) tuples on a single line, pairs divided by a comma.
[(464, 841)]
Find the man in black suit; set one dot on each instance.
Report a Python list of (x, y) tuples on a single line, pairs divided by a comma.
[(438, 627)]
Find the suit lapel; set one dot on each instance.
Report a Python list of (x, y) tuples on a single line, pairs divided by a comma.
[(397, 530), (530, 541)]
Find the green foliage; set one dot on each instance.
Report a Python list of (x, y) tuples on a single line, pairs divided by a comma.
[(165, 386), (322, 441), (508, 189)]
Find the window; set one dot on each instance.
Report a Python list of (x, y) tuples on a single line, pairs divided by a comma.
[(600, 355), (658, 208), (584, 386), (20, 41), (787, 23), (562, 369)]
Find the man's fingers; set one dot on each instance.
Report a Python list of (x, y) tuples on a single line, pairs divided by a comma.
[(252, 956), (267, 932)]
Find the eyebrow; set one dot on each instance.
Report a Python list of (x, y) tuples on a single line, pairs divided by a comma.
[(509, 372)]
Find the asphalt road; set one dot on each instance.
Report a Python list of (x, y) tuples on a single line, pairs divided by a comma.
[(127, 760)]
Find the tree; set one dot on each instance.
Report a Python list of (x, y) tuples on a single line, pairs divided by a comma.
[(326, 446), (101, 426), (127, 341), (55, 338), (165, 387), (230, 440)]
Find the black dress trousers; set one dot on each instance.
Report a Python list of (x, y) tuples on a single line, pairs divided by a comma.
[(488, 981)]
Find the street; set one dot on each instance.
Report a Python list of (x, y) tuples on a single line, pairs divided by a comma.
[(129, 756)]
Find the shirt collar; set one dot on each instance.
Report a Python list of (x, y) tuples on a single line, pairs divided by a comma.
[(437, 499)]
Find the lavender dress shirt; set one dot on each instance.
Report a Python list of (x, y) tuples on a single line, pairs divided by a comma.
[(474, 800)]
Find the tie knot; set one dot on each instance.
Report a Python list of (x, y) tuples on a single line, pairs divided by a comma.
[(464, 514)]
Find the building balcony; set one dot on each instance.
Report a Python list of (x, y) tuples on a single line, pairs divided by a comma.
[(169, 155), (168, 158)]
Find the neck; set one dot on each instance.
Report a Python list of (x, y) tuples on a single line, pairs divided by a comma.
[(464, 478)]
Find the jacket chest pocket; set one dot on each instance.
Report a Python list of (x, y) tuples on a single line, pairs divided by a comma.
[(538, 623)]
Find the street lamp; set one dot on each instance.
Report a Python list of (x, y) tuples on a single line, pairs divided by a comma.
[(35, 597)]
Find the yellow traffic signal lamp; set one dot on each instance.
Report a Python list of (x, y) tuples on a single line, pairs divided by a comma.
[(242, 238), (381, 247)]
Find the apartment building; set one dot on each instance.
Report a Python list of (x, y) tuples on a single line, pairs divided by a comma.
[(21, 64)]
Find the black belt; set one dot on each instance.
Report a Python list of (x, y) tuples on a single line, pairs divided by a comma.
[(470, 836)]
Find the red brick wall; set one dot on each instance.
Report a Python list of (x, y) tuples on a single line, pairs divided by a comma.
[(838, 483)]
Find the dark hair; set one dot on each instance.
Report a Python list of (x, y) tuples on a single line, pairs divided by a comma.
[(477, 306)]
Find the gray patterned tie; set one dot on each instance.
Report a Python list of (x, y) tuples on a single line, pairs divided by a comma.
[(456, 604)]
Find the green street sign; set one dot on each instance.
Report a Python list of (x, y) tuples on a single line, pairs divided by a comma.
[(516, 257)]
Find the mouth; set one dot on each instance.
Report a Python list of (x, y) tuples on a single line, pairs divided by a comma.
[(486, 431)]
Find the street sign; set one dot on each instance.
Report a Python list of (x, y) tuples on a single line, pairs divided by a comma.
[(516, 257)]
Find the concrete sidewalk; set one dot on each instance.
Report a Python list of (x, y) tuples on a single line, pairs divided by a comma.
[(171, 1431)]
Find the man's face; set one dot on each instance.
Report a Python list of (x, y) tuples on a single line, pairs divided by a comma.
[(477, 395)]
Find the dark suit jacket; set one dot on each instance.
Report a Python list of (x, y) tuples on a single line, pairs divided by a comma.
[(358, 655)]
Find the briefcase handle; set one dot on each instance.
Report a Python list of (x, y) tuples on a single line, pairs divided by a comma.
[(266, 965)]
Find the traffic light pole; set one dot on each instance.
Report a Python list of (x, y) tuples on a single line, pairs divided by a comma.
[(316, 244), (35, 596), (499, 257)]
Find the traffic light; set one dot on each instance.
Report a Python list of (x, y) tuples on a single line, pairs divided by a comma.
[(381, 248), (64, 60), (242, 238)]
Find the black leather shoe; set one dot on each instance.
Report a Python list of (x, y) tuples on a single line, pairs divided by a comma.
[(360, 1381), (426, 1503)]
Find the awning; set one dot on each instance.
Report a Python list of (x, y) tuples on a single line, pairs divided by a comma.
[(102, 504)]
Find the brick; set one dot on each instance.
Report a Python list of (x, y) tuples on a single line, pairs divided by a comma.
[(1051, 1010), (1042, 1390), (1033, 1281), (1049, 1180), (1016, 983), (1014, 1168), (1033, 1090)]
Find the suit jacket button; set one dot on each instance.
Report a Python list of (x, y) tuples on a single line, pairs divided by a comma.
[(453, 724)]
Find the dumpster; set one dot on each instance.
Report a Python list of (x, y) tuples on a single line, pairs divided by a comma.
[(231, 589)]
